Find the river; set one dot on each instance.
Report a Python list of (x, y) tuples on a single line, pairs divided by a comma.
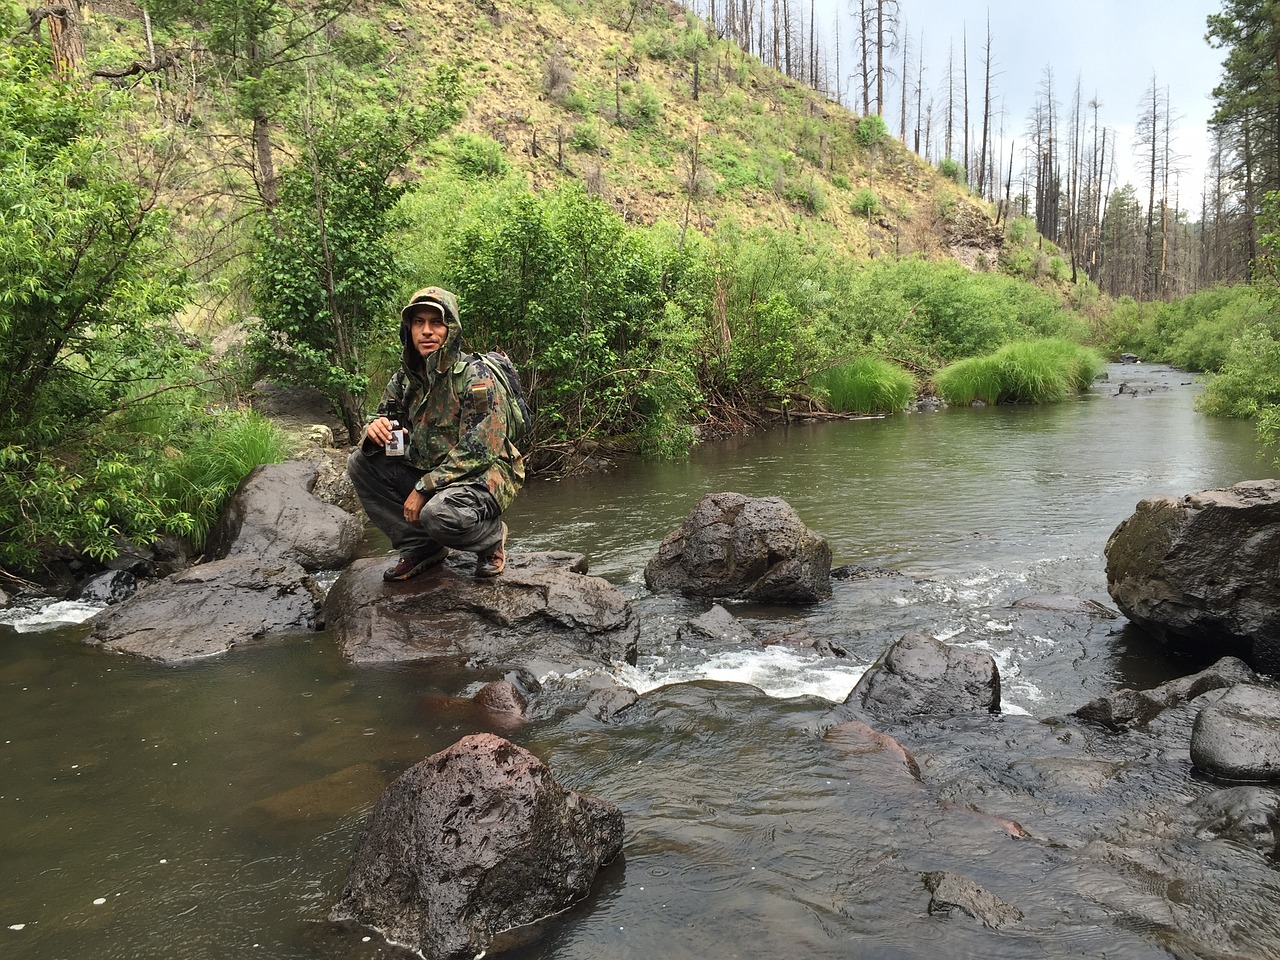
[(210, 810)]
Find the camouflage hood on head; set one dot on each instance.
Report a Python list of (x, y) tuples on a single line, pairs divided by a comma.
[(452, 346)]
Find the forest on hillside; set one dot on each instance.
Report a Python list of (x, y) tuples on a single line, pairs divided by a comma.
[(1136, 240)]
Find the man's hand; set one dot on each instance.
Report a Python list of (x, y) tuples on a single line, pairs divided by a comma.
[(379, 431), (413, 505)]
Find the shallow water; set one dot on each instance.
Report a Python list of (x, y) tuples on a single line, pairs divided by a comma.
[(210, 810)]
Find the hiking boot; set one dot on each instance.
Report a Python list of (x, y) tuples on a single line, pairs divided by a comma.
[(410, 567), (495, 561)]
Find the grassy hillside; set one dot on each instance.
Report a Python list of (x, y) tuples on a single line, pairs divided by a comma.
[(602, 91)]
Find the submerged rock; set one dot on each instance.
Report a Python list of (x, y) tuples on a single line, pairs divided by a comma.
[(1204, 570), (919, 675), (953, 892), (209, 608), (1246, 815), (274, 514), (1238, 737), (747, 549), (1128, 708), (543, 611), (471, 844)]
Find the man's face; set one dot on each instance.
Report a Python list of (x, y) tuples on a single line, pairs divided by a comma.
[(427, 330)]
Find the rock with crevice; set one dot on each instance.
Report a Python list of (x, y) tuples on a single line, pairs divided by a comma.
[(952, 892), (544, 613), (1203, 571), (473, 844), (210, 608), (743, 548)]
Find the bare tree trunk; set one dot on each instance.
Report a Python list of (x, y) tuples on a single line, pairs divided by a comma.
[(986, 113), (66, 41), (968, 160)]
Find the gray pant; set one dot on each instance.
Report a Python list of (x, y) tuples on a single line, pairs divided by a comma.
[(464, 516)]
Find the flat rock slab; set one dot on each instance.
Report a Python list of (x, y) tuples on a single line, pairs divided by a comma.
[(543, 613), (209, 608), (471, 844)]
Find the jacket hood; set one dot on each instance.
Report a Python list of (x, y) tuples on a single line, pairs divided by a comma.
[(443, 358)]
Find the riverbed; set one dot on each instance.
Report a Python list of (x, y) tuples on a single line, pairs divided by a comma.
[(210, 810)]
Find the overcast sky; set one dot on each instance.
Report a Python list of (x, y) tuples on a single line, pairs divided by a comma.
[(1112, 46)]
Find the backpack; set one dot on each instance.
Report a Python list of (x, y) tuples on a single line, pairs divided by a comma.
[(507, 377)]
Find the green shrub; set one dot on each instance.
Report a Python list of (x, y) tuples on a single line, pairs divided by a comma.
[(478, 156), (865, 203), (1249, 382), (841, 181), (866, 385), (871, 130), (585, 137), (952, 170), (806, 193), (1034, 371)]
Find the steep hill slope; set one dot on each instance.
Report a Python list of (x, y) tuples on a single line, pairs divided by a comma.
[(606, 93)]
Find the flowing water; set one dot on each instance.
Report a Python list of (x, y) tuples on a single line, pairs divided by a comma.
[(210, 810)]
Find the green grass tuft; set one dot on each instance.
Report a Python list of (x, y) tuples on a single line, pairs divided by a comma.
[(866, 385), (1029, 371)]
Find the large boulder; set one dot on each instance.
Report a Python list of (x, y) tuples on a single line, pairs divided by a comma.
[(1238, 737), (921, 676), (744, 548), (544, 613), (273, 514), (209, 608), (1204, 570), (472, 843)]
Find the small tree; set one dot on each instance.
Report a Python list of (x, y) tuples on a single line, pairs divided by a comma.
[(326, 274)]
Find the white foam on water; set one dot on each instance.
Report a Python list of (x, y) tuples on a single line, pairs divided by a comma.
[(26, 618), (778, 671)]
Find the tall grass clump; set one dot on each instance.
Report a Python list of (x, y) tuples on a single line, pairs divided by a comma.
[(866, 385), (1030, 371)]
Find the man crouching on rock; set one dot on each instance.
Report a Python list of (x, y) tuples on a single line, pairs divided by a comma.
[(446, 481)]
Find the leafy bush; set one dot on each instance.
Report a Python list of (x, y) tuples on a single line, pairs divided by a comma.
[(478, 156), (806, 193), (952, 170), (1038, 371), (866, 385), (865, 203), (1249, 382), (841, 181), (871, 130), (585, 137)]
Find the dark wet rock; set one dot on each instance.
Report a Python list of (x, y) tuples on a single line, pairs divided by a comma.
[(5, 600), (274, 514), (919, 675), (609, 703), (1055, 603), (856, 737), (1130, 358), (209, 608), (1130, 708), (333, 484), (1204, 570), (748, 549), (109, 587), (1238, 737), (953, 892), (1246, 815), (717, 627), (543, 613), (152, 561), (859, 571), (471, 843)]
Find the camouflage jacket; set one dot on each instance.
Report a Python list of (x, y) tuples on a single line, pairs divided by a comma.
[(457, 422)]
